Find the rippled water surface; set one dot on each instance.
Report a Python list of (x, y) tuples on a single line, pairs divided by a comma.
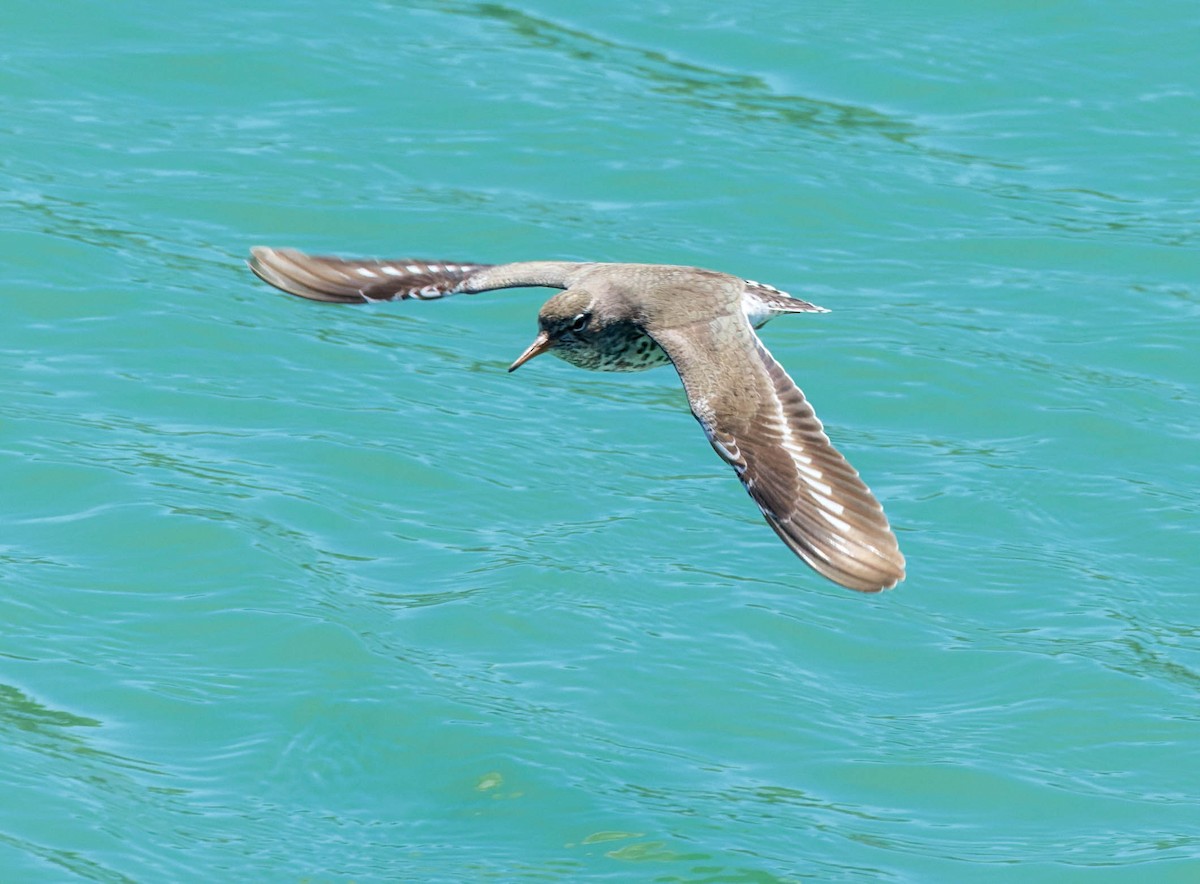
[(305, 593)]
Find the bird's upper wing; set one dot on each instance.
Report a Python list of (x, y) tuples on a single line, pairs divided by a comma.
[(355, 281), (759, 422)]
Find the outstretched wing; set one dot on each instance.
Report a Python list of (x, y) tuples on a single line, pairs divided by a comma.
[(759, 422), (357, 281)]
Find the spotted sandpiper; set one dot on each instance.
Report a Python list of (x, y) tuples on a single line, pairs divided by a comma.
[(628, 317)]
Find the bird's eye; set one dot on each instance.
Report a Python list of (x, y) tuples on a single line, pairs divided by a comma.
[(580, 322)]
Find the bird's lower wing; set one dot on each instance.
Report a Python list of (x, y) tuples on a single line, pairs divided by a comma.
[(759, 422), (357, 281)]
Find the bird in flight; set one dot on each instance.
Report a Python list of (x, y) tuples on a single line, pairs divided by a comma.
[(629, 317)]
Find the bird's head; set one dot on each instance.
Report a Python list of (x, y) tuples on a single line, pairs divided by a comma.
[(566, 322)]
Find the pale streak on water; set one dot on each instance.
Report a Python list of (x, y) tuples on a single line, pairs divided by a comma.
[(299, 593)]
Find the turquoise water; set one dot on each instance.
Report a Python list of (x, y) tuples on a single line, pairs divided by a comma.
[(304, 593)]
